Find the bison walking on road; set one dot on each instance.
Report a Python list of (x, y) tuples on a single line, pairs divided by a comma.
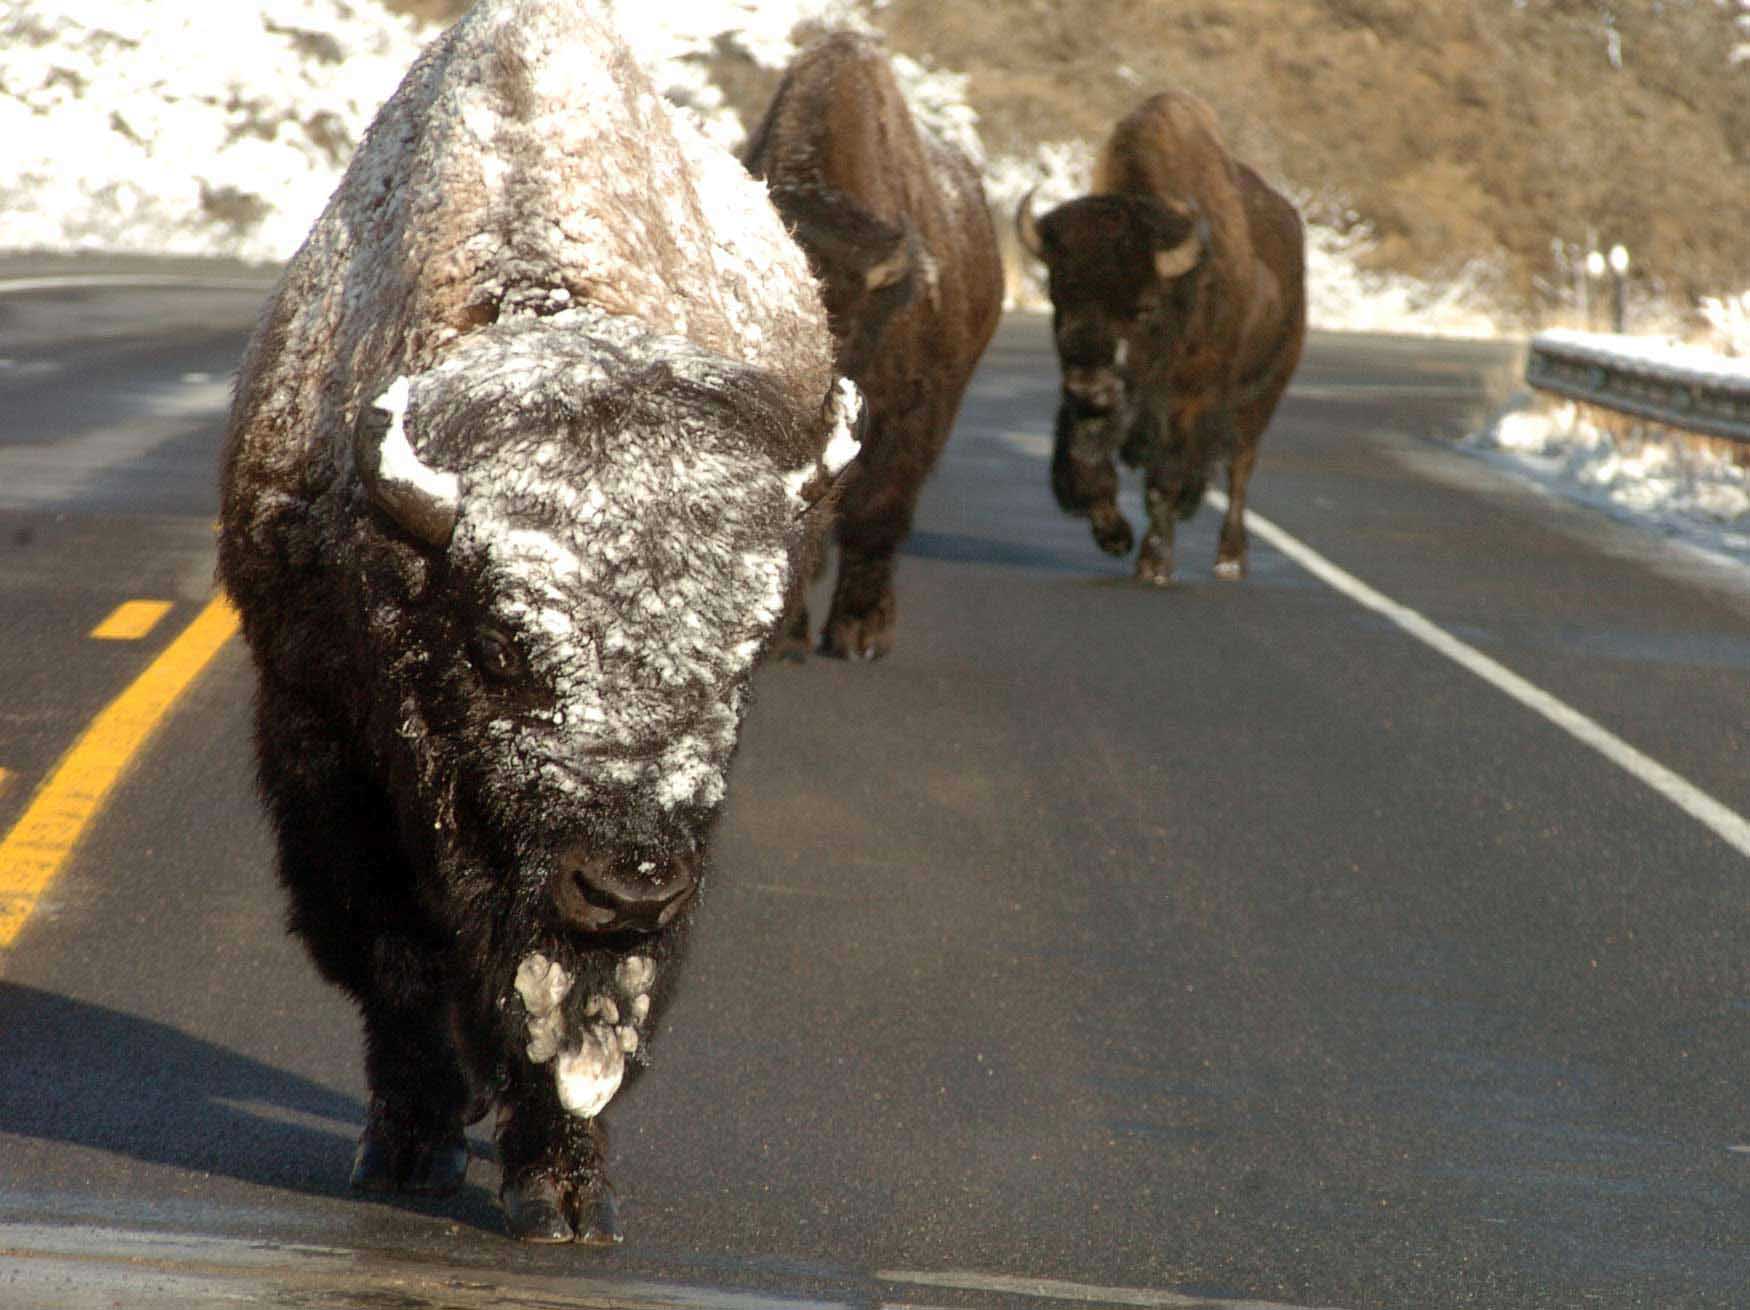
[(896, 227), (1179, 309), (530, 453)]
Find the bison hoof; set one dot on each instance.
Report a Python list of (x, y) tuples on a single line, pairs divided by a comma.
[(1154, 572), (857, 639), (534, 1210), (538, 1208), (402, 1161), (1230, 570), (1112, 533), (599, 1224)]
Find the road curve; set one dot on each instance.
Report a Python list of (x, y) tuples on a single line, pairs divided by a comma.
[(1223, 945)]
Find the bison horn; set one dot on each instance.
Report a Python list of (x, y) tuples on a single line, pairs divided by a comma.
[(1027, 226), (1176, 261), (839, 230), (423, 500), (850, 419), (891, 268)]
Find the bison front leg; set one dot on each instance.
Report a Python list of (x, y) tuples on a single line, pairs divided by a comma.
[(1178, 475), (1173, 492), (791, 643), (1084, 478), (874, 518), (413, 1138), (1230, 555), (1154, 562), (352, 905), (554, 1186)]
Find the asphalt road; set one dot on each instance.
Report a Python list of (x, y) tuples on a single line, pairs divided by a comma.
[(1218, 946)]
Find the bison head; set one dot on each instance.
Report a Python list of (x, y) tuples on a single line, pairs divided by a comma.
[(576, 539), (1123, 273), (868, 269)]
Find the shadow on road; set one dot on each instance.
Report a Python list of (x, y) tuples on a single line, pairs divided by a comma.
[(94, 1077), (964, 548)]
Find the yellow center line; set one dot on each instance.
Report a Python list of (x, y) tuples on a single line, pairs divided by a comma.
[(131, 620), (36, 849)]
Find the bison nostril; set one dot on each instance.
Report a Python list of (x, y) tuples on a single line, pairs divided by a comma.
[(599, 894)]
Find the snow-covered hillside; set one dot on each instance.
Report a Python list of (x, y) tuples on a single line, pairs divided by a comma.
[(188, 127), (184, 127)]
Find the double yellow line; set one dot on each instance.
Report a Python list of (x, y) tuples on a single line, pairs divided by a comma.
[(37, 848)]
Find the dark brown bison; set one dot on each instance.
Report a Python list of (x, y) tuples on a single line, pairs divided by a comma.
[(526, 464), (1179, 309), (897, 230)]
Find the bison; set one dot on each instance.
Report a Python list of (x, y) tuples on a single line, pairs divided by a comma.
[(529, 454), (896, 228), (1178, 312)]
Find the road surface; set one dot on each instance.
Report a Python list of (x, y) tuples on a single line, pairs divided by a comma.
[(1224, 945)]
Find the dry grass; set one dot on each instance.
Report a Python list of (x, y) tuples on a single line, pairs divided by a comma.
[(1458, 132)]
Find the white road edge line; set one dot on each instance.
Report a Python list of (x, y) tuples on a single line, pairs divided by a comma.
[(1053, 1289), (1730, 826), (191, 282)]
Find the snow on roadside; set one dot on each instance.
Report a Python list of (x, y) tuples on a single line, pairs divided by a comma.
[(1728, 320), (1688, 486), (1343, 297), (1691, 490)]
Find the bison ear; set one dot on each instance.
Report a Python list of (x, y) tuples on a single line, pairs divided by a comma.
[(1178, 260), (423, 500), (849, 419), (1027, 226)]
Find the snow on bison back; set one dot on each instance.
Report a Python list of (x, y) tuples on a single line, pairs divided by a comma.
[(530, 452)]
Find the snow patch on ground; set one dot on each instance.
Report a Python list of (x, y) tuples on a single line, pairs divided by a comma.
[(1728, 321), (1341, 295), (1696, 491)]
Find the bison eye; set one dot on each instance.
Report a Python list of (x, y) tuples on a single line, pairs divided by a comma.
[(495, 656)]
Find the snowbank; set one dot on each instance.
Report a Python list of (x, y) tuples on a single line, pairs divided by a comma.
[(1693, 490)]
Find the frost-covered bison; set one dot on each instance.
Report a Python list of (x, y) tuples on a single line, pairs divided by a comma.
[(1179, 309), (528, 456), (895, 224)]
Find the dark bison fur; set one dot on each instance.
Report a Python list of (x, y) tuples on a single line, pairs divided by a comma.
[(897, 229), (533, 448), (1178, 311)]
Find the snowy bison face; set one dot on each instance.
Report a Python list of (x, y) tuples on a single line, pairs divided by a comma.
[(607, 527)]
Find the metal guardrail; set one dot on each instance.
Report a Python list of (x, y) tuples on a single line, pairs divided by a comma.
[(1682, 388)]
